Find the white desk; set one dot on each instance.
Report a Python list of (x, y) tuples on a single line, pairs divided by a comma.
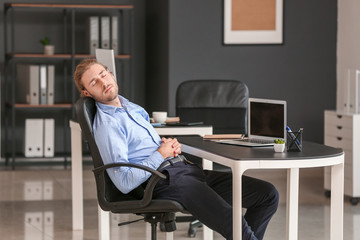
[(77, 177), (240, 159)]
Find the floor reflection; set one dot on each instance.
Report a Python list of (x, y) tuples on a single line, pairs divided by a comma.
[(36, 205)]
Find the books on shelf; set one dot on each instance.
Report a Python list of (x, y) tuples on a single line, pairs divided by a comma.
[(37, 84), (352, 91), (39, 137), (103, 33)]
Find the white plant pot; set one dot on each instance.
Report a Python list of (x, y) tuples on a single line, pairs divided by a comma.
[(279, 147), (49, 49)]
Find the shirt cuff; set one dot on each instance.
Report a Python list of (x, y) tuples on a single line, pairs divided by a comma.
[(157, 159)]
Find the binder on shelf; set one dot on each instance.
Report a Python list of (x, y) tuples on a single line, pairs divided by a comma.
[(107, 58), (114, 34), (93, 33), (43, 81), (34, 135), (105, 32), (50, 84), (49, 137), (352, 91), (28, 78)]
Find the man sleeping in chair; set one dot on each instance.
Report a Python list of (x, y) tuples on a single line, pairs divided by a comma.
[(123, 133)]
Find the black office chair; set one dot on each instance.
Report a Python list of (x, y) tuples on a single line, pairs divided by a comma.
[(220, 103), (139, 201)]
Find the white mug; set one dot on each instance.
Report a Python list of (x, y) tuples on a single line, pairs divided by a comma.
[(159, 117)]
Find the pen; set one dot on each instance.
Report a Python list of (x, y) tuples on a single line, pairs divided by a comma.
[(288, 129)]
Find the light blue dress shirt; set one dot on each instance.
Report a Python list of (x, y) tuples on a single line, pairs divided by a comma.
[(124, 134)]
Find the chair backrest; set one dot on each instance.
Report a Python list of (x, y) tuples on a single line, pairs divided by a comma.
[(220, 103), (107, 192)]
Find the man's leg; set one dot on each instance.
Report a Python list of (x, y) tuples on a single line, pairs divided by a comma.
[(261, 200), (186, 184), (259, 197), (189, 187)]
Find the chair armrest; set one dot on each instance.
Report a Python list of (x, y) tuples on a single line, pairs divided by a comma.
[(145, 168), (154, 179)]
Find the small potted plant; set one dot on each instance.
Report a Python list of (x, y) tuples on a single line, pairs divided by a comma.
[(279, 145), (48, 49)]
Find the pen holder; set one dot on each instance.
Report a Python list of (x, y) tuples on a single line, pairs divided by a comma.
[(294, 141)]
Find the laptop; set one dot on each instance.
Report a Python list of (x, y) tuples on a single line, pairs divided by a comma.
[(266, 122)]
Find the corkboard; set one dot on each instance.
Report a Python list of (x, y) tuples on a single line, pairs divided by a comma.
[(253, 21), (253, 14)]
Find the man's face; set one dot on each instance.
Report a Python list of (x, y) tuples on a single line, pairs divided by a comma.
[(99, 84)]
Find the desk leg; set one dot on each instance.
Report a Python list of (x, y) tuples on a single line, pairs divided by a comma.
[(103, 224), (337, 202), (77, 180), (237, 202), (169, 236), (292, 204), (208, 233)]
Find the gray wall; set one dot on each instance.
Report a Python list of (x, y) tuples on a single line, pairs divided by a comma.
[(301, 71)]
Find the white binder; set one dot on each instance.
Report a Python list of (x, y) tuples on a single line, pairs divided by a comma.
[(107, 58), (49, 137), (114, 34), (105, 32), (352, 91), (34, 134), (28, 78), (43, 82), (50, 84), (94, 33)]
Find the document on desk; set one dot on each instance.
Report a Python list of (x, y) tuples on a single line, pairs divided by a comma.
[(219, 137)]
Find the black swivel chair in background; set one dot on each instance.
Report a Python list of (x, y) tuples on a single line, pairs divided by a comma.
[(220, 103), (139, 201)]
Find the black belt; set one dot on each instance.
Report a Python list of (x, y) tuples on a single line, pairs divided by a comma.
[(172, 161)]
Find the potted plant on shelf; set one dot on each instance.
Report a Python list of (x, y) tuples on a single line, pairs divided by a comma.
[(48, 49), (279, 145)]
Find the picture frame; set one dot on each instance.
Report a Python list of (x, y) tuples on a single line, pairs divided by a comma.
[(253, 22)]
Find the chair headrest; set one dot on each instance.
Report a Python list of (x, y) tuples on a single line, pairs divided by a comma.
[(212, 94)]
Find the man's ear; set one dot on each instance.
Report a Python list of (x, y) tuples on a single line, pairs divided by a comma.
[(85, 93)]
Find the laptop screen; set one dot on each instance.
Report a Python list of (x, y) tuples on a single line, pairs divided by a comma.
[(267, 118)]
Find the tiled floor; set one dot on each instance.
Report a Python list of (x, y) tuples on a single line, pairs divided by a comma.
[(35, 204)]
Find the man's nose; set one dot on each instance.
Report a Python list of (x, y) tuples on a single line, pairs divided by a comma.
[(103, 81)]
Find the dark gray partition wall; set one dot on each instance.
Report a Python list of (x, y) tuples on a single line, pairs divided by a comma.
[(188, 44)]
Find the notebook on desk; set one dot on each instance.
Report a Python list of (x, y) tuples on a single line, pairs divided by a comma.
[(266, 122)]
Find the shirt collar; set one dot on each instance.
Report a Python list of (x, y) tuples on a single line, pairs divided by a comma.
[(112, 109)]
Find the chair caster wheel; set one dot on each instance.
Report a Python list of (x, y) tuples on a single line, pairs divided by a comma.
[(354, 201), (162, 227), (327, 194), (192, 232)]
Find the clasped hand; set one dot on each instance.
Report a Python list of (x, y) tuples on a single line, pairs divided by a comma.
[(170, 147)]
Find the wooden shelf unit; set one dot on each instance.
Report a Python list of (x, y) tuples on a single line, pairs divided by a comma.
[(65, 58)]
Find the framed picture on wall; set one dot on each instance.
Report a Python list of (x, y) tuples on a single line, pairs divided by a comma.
[(253, 21)]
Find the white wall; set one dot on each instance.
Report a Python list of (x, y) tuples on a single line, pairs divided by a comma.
[(348, 46)]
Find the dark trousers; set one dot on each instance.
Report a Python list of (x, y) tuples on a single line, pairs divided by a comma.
[(207, 195)]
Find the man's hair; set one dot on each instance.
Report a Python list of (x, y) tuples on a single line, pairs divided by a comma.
[(81, 68)]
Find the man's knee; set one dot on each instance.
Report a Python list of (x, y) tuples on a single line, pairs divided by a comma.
[(273, 195)]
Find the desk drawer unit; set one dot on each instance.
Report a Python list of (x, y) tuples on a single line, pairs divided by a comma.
[(342, 130)]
